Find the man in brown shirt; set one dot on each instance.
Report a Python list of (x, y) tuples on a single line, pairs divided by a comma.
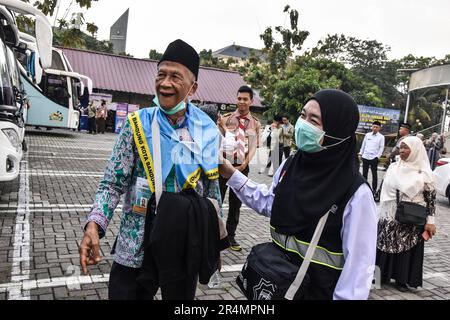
[(241, 131), (101, 115)]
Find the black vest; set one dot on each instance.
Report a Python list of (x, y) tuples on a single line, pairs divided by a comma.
[(293, 223)]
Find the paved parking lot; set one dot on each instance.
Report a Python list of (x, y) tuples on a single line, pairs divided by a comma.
[(43, 211)]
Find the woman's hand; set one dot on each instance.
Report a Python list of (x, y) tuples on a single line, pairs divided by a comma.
[(226, 170), (431, 229)]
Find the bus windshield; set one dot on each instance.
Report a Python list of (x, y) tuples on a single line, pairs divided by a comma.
[(6, 91), (54, 87), (13, 69)]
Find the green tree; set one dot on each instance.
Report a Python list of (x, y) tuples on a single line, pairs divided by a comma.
[(367, 59), (285, 81), (155, 55), (425, 105), (48, 6), (68, 33), (208, 60), (269, 75), (90, 43)]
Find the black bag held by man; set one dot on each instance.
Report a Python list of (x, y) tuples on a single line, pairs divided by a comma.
[(410, 213), (267, 273)]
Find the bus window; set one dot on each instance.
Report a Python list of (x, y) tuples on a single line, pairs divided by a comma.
[(57, 62), (55, 88), (6, 92), (76, 88)]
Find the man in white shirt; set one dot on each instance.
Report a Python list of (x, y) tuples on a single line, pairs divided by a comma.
[(371, 151)]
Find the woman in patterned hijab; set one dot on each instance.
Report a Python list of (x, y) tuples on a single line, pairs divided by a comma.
[(400, 247)]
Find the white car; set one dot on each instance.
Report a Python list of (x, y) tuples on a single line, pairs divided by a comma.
[(442, 177)]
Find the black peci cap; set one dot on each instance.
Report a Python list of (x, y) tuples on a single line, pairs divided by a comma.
[(405, 125), (181, 52)]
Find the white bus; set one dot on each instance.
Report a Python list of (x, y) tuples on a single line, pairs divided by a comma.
[(54, 101), (13, 109)]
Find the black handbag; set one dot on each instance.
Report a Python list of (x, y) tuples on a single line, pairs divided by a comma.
[(268, 273), (410, 213)]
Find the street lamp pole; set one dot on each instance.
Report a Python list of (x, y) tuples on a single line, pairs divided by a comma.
[(445, 111), (407, 108)]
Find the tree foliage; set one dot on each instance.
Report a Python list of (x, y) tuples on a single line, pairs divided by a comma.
[(208, 60), (285, 81), (48, 6), (68, 32), (155, 55), (360, 67)]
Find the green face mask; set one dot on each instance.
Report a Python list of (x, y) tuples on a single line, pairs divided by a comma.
[(180, 106), (307, 137)]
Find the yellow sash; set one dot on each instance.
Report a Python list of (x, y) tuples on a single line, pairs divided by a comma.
[(147, 161), (142, 147)]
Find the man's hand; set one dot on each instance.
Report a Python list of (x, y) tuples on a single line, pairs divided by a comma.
[(431, 229), (221, 123), (90, 247), (226, 170), (242, 167)]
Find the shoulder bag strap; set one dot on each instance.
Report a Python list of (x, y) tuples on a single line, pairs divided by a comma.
[(156, 145), (309, 254)]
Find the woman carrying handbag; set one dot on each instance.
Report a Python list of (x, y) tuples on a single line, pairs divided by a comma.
[(321, 183), (406, 216)]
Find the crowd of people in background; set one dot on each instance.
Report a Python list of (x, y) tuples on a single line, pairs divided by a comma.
[(320, 175), (435, 147), (97, 116), (279, 138)]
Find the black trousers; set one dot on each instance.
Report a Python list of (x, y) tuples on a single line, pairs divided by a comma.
[(123, 286), (373, 164), (101, 125), (91, 125), (234, 205), (280, 159), (286, 151)]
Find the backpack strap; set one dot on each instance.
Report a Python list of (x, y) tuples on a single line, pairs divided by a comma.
[(286, 166)]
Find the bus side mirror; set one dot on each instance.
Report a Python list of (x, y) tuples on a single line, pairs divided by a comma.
[(44, 40), (22, 47)]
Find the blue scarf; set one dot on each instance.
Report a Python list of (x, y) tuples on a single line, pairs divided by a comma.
[(189, 158)]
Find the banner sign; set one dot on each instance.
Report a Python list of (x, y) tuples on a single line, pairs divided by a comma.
[(121, 115), (389, 119)]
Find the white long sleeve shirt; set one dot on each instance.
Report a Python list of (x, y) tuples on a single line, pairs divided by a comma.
[(358, 233), (372, 146)]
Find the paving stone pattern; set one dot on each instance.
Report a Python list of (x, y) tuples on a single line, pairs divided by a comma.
[(63, 170)]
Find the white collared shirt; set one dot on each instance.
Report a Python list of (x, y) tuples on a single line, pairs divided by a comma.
[(372, 146)]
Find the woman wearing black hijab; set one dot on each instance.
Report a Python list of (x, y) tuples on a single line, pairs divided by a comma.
[(322, 174)]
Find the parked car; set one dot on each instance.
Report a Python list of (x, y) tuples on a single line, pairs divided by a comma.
[(442, 177)]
